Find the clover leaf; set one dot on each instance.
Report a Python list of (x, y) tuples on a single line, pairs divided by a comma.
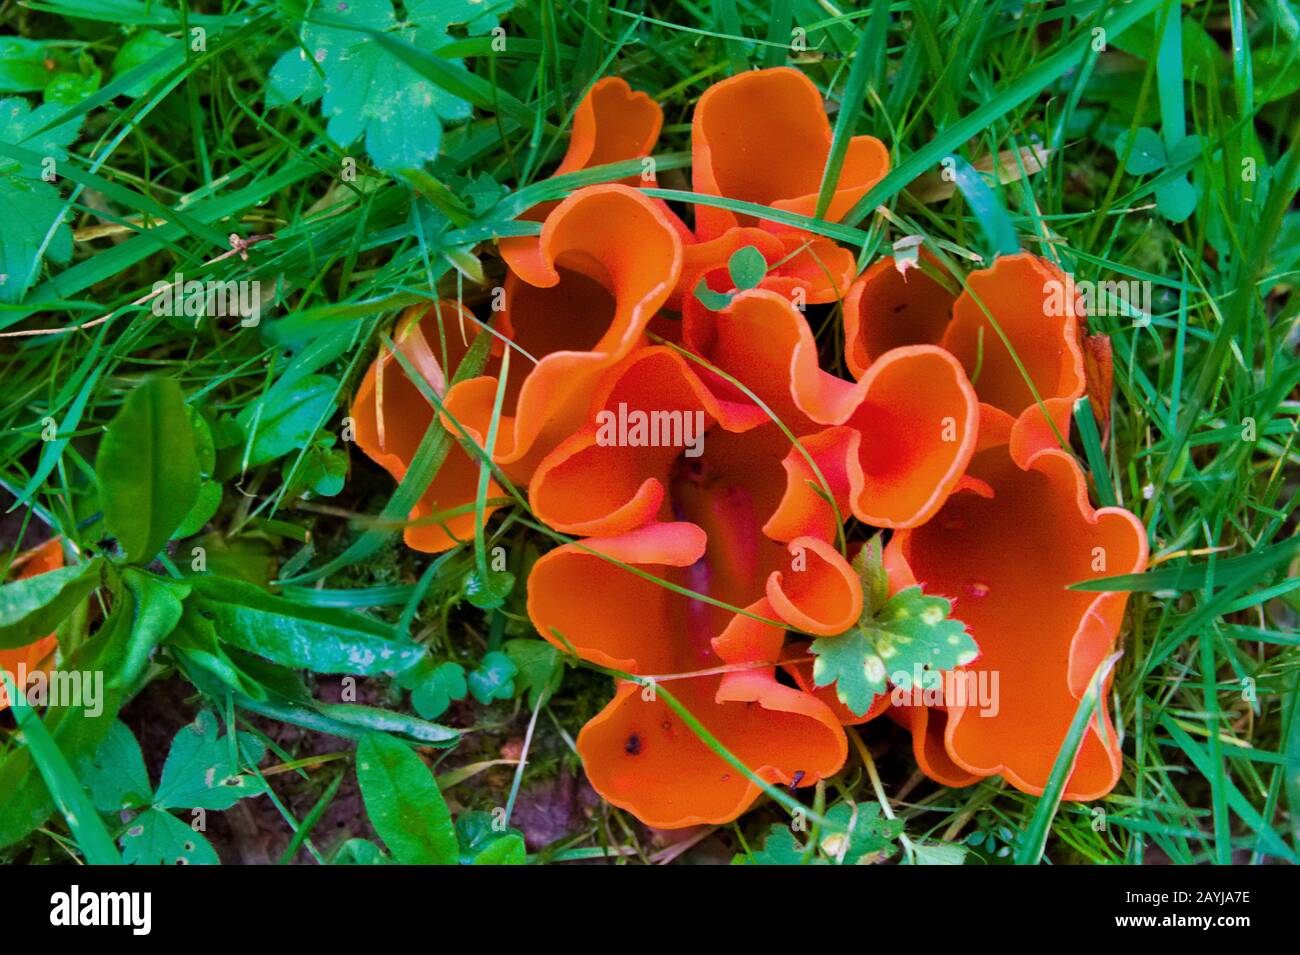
[(895, 639), (199, 774), (1175, 195), (494, 679), (367, 92), (438, 686), (747, 267)]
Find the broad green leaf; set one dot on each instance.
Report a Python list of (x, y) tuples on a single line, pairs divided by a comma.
[(209, 499), (285, 419), (69, 89), (372, 719), (33, 607), (205, 506), (299, 636), (344, 720), (404, 804), (30, 207), (156, 837), (195, 639), (904, 639), (115, 775), (367, 92), (27, 66), (158, 608), (147, 468), (1277, 73), (199, 773), (137, 51)]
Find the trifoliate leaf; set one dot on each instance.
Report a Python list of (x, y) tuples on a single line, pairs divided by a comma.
[(494, 679), (898, 639), (1176, 199), (488, 593), (137, 51), (540, 667), (434, 694), (115, 775), (30, 207), (366, 91), (1189, 147), (199, 772), (483, 193), (1147, 155), (321, 472)]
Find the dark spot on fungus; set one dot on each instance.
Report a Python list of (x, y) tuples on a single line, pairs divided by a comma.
[(797, 778), (633, 745)]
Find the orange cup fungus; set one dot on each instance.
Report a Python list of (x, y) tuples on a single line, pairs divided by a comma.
[(706, 463), (763, 137)]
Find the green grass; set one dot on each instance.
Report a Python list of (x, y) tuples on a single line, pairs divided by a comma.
[(175, 154)]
